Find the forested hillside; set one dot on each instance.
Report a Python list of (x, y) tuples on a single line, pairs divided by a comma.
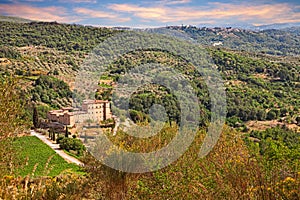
[(64, 37), (270, 41), (260, 87), (257, 156)]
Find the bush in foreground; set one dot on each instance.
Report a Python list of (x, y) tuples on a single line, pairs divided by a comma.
[(72, 145)]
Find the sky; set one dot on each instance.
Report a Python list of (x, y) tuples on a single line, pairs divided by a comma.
[(155, 13)]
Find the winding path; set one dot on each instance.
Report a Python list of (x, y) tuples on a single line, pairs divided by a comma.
[(56, 148)]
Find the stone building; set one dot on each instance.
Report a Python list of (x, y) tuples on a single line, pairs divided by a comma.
[(91, 111)]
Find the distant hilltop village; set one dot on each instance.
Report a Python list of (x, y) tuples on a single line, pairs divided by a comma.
[(211, 29), (91, 110)]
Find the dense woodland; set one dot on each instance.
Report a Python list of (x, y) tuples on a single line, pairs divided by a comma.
[(261, 72), (271, 41), (65, 37)]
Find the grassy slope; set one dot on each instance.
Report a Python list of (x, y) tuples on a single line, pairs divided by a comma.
[(38, 153)]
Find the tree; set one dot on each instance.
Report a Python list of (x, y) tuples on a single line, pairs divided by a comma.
[(261, 115), (271, 115), (67, 132), (298, 120), (56, 72), (36, 97), (72, 144), (12, 115), (35, 118), (12, 121)]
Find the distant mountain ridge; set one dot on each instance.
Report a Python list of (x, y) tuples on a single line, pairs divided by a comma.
[(274, 39), (252, 27), (14, 19), (276, 26), (283, 41)]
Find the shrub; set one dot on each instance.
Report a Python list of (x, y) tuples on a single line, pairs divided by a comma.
[(271, 115), (59, 139), (138, 116), (72, 144)]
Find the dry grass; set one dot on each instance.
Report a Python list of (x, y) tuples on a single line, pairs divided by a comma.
[(263, 125)]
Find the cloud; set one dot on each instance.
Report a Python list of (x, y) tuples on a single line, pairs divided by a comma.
[(51, 13), (172, 2), (142, 12), (33, 0), (101, 14), (78, 1), (24, 1), (242, 12), (158, 12)]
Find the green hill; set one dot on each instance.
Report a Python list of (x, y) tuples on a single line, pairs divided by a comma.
[(14, 19), (261, 75), (259, 86), (270, 41)]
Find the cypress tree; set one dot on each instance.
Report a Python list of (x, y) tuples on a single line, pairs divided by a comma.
[(67, 132), (35, 118)]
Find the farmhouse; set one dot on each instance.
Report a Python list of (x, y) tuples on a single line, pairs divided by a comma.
[(91, 110), (217, 43)]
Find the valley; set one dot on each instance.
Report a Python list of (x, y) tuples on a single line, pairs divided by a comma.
[(257, 154)]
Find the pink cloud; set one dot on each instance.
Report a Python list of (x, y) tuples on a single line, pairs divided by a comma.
[(52, 13), (173, 2), (78, 1), (142, 12), (268, 13), (101, 14)]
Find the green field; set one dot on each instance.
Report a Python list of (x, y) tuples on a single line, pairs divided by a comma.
[(38, 153)]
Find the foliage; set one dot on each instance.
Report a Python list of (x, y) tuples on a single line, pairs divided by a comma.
[(273, 42), (42, 110), (258, 87), (255, 83), (230, 171), (72, 144), (280, 144), (13, 121), (64, 37), (49, 89), (8, 52), (252, 93), (35, 118), (59, 139), (64, 186), (12, 117)]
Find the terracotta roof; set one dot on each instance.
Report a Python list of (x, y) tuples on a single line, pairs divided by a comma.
[(95, 101), (67, 108), (55, 111)]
